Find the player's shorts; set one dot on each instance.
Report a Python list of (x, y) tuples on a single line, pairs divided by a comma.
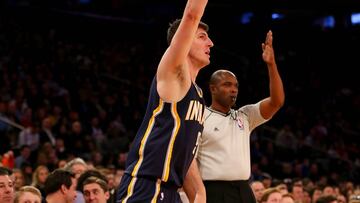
[(146, 190)]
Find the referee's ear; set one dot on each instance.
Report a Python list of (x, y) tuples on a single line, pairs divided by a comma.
[(212, 88)]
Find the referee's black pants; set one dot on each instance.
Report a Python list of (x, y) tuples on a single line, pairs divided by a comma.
[(229, 192)]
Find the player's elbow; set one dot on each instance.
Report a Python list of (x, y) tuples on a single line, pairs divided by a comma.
[(193, 14)]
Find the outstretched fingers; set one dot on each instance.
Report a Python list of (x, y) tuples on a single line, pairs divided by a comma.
[(268, 41), (268, 52), (269, 38)]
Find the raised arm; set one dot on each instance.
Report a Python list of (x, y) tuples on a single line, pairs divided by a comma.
[(173, 71), (270, 105), (193, 185)]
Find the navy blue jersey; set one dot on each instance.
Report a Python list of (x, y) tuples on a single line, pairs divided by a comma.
[(166, 142)]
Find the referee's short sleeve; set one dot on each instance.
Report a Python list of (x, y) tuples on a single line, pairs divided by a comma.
[(252, 111)]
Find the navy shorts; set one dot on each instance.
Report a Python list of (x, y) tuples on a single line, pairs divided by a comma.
[(143, 190)]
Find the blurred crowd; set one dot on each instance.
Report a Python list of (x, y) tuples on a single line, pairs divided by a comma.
[(79, 90)]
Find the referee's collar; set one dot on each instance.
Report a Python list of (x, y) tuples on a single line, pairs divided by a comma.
[(221, 113)]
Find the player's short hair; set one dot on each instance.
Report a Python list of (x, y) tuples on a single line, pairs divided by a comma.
[(175, 25)]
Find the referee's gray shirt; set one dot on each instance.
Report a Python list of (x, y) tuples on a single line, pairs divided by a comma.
[(224, 149)]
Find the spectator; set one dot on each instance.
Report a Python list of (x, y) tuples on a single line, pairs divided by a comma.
[(297, 192), (258, 189), (287, 198), (60, 187), (28, 194), (39, 178), (6, 187), (30, 137), (282, 187), (77, 166), (327, 199), (46, 133), (19, 179), (271, 195), (24, 157), (95, 190)]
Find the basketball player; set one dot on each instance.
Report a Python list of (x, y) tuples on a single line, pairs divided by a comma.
[(224, 150), (161, 158)]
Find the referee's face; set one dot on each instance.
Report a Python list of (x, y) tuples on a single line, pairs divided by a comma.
[(225, 92)]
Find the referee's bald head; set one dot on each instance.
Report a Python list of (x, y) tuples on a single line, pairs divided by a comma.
[(218, 76)]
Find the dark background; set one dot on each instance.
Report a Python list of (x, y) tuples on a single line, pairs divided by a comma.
[(318, 64)]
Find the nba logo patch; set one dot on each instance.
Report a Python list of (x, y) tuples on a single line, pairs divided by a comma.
[(240, 122)]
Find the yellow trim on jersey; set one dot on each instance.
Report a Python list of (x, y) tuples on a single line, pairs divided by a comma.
[(146, 136), (130, 189), (176, 117), (141, 149), (158, 183)]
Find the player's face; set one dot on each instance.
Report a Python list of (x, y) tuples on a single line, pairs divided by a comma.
[(226, 90), (200, 49)]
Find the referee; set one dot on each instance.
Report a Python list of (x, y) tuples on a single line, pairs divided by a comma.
[(224, 151)]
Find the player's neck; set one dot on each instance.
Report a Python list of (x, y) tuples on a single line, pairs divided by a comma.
[(194, 69), (193, 73)]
